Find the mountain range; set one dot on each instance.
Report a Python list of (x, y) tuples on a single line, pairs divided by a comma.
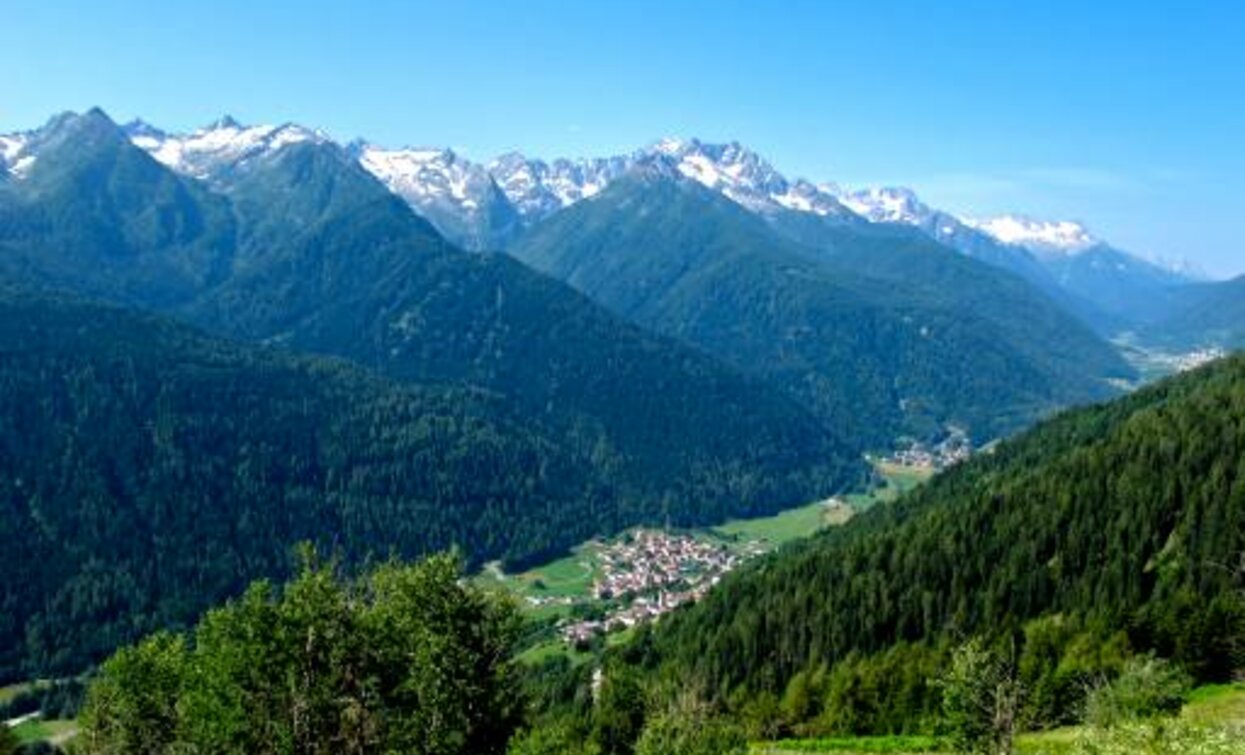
[(240, 194), (301, 248), (481, 206), (862, 329)]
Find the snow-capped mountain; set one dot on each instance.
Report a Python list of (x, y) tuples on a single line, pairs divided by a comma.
[(538, 189), (487, 205), (747, 178), (1043, 237), (20, 151), (211, 152), (887, 205), (902, 206), (459, 197)]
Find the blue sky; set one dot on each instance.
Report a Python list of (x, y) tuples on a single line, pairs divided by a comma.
[(1128, 116)]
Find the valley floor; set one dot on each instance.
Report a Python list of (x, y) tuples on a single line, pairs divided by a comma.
[(566, 595)]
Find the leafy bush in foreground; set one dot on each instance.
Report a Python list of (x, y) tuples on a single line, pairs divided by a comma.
[(407, 659)]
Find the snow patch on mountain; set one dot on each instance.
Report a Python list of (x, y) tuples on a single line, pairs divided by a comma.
[(746, 177), (11, 146), (1047, 237), (887, 205), (538, 188), (419, 174), (13, 157), (207, 152), (458, 196)]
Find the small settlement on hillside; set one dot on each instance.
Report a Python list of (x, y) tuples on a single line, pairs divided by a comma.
[(648, 573), (952, 450)]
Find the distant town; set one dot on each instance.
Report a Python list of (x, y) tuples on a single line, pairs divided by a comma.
[(952, 450), (648, 573)]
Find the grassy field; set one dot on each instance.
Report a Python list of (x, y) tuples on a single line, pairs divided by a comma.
[(1217, 703), (804, 521), (1220, 706), (785, 526), (38, 731), (861, 745), (568, 577), (551, 648), (898, 480)]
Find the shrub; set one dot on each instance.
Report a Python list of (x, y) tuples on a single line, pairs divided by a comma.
[(1146, 687)]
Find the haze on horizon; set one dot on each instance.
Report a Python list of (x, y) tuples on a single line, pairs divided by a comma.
[(1125, 117)]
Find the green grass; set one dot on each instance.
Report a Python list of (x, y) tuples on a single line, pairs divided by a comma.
[(806, 520), (785, 526), (905, 745), (551, 648), (897, 481), (1217, 707), (1216, 704), (1053, 742), (37, 731), (568, 577)]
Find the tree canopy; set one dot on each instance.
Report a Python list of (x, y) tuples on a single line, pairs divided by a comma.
[(405, 659)]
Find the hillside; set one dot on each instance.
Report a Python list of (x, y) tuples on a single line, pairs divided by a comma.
[(148, 471), (1037, 322), (1131, 289), (304, 249), (875, 353), (1107, 530), (1210, 314)]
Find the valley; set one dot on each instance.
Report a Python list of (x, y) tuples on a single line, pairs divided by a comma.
[(1155, 363), (591, 598)]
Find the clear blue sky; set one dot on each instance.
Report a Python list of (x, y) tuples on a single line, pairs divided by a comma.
[(1129, 116)]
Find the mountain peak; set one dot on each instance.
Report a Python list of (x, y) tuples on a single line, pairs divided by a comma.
[(95, 118), (97, 113), (226, 121), (69, 128)]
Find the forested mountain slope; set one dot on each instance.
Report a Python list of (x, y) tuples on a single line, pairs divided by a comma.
[(868, 347), (148, 471), (1122, 526), (1035, 322), (1210, 314)]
